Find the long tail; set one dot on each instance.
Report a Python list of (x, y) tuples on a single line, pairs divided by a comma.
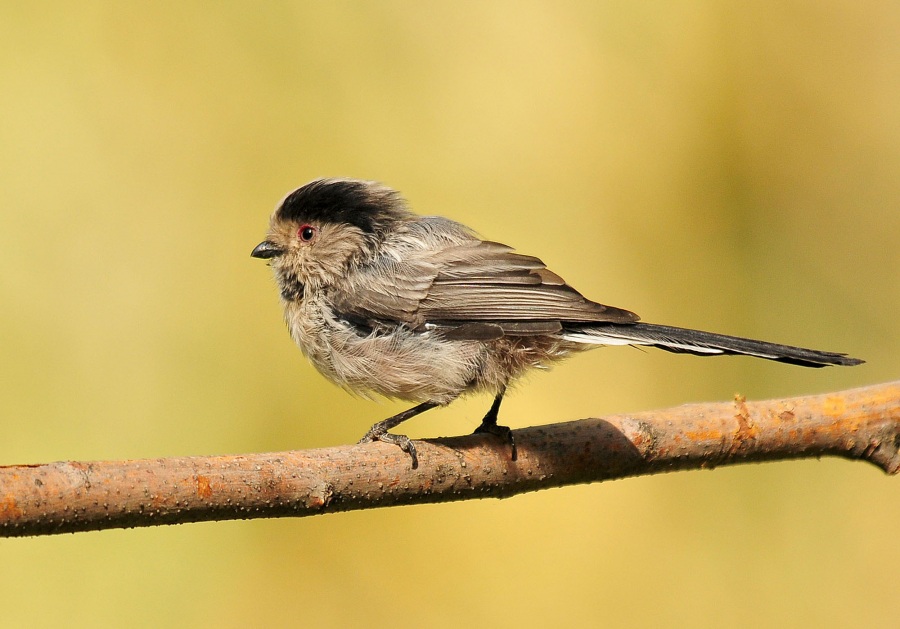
[(683, 340)]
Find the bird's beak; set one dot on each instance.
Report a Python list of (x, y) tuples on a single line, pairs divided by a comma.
[(266, 249)]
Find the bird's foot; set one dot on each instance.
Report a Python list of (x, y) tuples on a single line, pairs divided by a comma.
[(376, 433), (504, 432), (379, 432)]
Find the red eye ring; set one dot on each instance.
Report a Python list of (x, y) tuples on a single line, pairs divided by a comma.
[(306, 233)]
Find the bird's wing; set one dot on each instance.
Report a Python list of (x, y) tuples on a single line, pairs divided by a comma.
[(480, 289), (490, 282)]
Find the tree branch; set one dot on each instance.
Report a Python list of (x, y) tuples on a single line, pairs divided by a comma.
[(72, 496)]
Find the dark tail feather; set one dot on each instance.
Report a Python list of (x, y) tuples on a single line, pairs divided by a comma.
[(683, 340)]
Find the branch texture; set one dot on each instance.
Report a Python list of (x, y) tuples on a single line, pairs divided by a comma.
[(73, 496)]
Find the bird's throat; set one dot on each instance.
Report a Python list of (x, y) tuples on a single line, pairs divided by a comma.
[(291, 288)]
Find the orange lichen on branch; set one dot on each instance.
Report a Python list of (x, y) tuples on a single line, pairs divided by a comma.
[(746, 430), (9, 508), (204, 490)]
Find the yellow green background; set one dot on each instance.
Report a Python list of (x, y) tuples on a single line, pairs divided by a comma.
[(726, 166)]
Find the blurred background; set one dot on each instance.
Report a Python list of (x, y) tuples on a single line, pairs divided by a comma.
[(726, 166)]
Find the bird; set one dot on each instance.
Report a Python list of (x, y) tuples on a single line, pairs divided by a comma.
[(420, 308)]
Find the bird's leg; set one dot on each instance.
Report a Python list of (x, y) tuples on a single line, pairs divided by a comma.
[(379, 432), (489, 424)]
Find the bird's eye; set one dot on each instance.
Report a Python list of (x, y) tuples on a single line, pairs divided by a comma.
[(306, 233)]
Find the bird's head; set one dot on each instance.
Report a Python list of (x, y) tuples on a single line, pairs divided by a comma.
[(321, 229)]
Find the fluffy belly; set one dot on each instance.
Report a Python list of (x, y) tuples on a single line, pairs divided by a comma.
[(415, 366), (398, 364)]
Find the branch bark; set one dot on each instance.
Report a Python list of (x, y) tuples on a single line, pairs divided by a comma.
[(71, 496)]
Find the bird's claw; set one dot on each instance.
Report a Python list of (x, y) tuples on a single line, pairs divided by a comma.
[(404, 442), (504, 432)]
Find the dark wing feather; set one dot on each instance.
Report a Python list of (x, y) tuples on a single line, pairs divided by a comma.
[(480, 290)]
